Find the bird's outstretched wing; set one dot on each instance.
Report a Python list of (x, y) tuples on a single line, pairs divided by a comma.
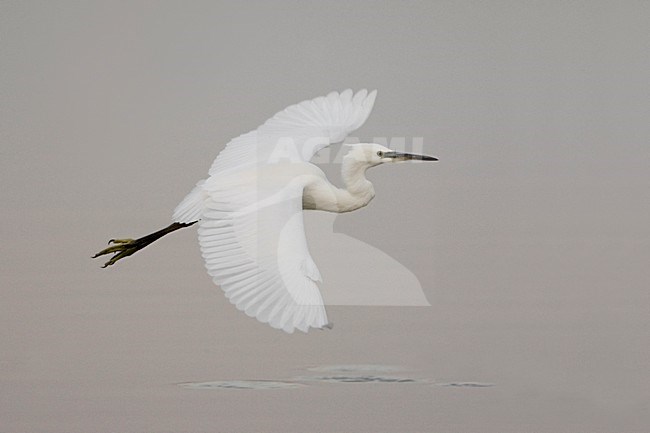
[(298, 132), (253, 241), (250, 211)]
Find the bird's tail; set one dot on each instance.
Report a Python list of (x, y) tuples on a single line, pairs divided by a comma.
[(191, 208)]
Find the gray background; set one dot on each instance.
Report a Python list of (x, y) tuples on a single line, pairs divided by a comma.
[(530, 236)]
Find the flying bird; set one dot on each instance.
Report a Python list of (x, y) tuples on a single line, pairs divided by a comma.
[(249, 209)]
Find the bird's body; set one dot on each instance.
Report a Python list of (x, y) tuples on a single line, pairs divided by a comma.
[(249, 209)]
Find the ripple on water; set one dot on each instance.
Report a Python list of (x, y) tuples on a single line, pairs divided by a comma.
[(358, 379), (357, 373), (241, 384), (467, 384), (340, 373)]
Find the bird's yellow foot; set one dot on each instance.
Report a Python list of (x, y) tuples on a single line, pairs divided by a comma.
[(119, 241), (122, 248)]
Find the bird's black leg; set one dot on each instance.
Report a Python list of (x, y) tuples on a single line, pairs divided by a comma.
[(125, 247)]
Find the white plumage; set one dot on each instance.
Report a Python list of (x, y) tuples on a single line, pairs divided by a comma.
[(250, 210)]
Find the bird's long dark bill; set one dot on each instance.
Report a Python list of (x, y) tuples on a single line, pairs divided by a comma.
[(409, 156)]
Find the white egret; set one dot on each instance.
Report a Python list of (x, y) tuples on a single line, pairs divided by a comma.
[(249, 209)]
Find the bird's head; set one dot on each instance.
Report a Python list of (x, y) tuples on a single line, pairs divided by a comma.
[(374, 154)]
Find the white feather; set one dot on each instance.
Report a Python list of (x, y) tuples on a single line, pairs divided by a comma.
[(250, 210)]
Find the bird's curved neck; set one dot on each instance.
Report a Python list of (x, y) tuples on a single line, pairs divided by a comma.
[(358, 190)]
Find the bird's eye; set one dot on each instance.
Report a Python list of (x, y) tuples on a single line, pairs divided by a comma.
[(380, 153)]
